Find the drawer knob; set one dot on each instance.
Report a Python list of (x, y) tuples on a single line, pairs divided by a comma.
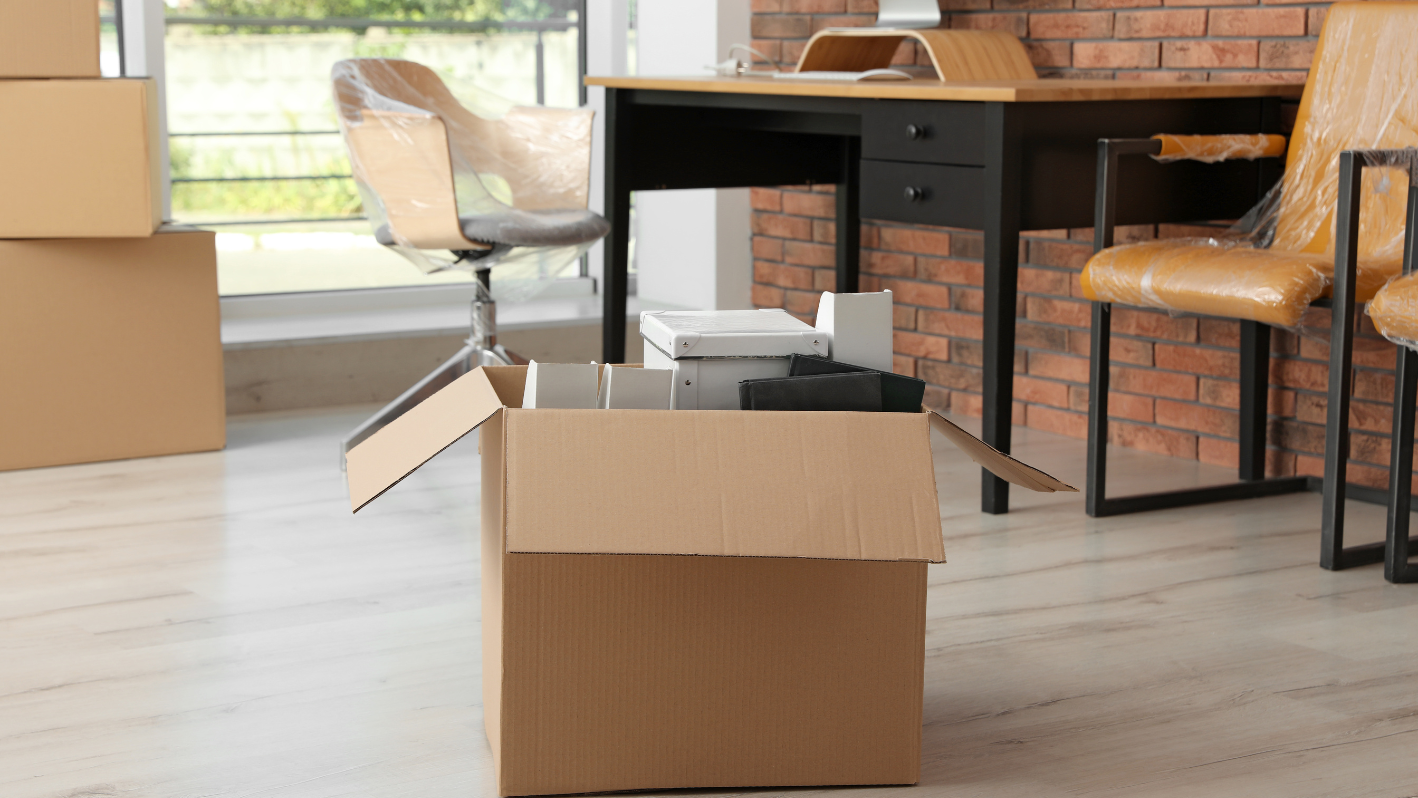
[(915, 193), (915, 132)]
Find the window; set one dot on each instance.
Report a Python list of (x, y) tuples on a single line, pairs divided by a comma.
[(255, 151)]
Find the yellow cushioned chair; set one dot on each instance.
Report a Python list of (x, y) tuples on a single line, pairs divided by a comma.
[(1359, 98)]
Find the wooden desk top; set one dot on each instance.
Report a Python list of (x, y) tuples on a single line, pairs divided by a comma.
[(1010, 91)]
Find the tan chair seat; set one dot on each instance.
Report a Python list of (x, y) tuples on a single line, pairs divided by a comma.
[(1394, 310), (1222, 278)]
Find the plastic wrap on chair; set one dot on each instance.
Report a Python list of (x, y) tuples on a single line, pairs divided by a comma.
[(1213, 149), (1395, 311), (1360, 96), (501, 184)]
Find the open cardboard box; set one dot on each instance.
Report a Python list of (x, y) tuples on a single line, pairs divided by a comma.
[(749, 611)]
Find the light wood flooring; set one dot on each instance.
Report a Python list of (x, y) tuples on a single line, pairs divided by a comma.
[(219, 626)]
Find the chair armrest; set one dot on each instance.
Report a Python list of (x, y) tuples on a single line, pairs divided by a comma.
[(1211, 149)]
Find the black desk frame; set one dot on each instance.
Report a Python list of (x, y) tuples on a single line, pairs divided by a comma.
[(1001, 167)]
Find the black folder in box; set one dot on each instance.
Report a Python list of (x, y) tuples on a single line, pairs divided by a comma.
[(899, 393), (853, 392)]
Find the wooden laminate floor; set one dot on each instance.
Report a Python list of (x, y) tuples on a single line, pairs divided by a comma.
[(219, 626)]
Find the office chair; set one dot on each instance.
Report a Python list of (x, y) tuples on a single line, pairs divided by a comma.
[(1327, 228), (503, 188)]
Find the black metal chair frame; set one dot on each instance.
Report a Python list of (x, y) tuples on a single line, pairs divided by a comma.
[(1254, 383)]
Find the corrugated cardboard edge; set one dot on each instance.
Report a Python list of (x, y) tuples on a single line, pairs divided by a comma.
[(391, 454), (996, 462)]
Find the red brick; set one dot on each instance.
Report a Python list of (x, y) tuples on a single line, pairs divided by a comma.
[(781, 275), (1257, 22), (766, 6), (1044, 281), (1315, 22), (968, 300), (1129, 406), (890, 264), (960, 378), (914, 240), (805, 254), (903, 365), (1071, 25), (914, 293), (1219, 332), (825, 232), (767, 248), (772, 224), (917, 345), (1039, 336), (1152, 439), (1160, 24), (1165, 76), (769, 47), (802, 303), (956, 325), (956, 272), (820, 22), (1058, 311), (963, 5), (1153, 324), (1058, 366), (1015, 23), (966, 404), (1300, 374), (1153, 383), (815, 6), (1040, 392), (1060, 422), (1196, 360), (1060, 254), (903, 318), (824, 280), (1369, 448), (1286, 55), (1218, 452), (1196, 418), (809, 204), (1116, 3), (1296, 436), (1210, 54), (1221, 393), (765, 199), (1116, 55), (1050, 54), (1210, 2), (767, 296), (791, 52), (1032, 5), (1375, 354), (774, 26), (1122, 350)]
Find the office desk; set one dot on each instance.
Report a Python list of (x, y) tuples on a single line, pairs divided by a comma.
[(1000, 157)]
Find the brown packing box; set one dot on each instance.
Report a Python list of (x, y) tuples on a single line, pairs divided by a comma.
[(686, 598), (79, 159), (49, 39), (109, 349)]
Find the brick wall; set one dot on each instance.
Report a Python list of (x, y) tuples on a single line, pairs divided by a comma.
[(1174, 379)]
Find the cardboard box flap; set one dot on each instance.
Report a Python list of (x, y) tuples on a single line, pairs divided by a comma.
[(996, 462), (850, 486), (382, 461)]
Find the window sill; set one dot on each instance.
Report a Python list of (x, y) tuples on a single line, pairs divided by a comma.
[(252, 322)]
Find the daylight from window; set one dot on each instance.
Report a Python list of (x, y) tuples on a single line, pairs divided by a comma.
[(255, 149)]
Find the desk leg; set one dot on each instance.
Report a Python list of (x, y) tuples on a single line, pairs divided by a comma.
[(615, 271), (849, 220), (1001, 290)]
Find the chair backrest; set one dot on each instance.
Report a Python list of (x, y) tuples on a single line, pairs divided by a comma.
[(427, 158), (1362, 92)]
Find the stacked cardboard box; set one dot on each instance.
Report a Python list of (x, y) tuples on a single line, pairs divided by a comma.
[(110, 338)]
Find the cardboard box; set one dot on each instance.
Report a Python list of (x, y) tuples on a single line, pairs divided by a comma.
[(49, 39), (79, 159), (693, 599), (109, 349)]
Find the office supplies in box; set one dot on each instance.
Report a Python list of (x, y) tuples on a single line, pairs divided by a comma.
[(857, 392), (634, 388), (858, 328), (80, 159), (49, 39), (736, 639), (712, 351), (561, 385), (109, 349), (899, 393)]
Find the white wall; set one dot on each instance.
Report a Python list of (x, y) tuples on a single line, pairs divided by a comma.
[(693, 248)]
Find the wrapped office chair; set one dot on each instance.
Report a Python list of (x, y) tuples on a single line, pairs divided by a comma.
[(1358, 99), (502, 188), (1394, 311)]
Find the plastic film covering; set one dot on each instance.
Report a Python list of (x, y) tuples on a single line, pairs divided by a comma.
[(471, 181), (1212, 149), (1395, 311), (1360, 95)]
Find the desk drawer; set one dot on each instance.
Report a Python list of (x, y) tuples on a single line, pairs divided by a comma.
[(923, 193), (936, 132)]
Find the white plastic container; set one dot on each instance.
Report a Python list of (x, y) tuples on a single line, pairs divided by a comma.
[(711, 351), (630, 388), (571, 386), (858, 328)]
